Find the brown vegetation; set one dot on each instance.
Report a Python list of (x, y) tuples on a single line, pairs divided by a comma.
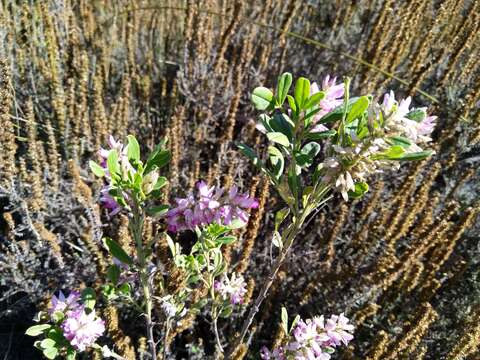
[(403, 261)]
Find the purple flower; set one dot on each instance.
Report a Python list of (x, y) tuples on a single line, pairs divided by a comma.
[(82, 329), (337, 328), (313, 339), (108, 202), (275, 354), (232, 289), (209, 205), (333, 96), (399, 124), (63, 304)]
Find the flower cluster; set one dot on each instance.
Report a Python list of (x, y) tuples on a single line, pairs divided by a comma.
[(394, 131), (82, 329), (313, 339), (233, 289), (107, 201), (413, 123), (80, 326), (208, 205)]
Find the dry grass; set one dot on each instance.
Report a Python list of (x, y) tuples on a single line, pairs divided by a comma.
[(404, 261)]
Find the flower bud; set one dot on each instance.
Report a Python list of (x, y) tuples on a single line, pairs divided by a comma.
[(149, 181)]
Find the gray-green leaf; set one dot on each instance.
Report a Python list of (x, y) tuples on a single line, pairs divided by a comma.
[(37, 329), (133, 148), (262, 98), (279, 138), (284, 83), (302, 91), (96, 169)]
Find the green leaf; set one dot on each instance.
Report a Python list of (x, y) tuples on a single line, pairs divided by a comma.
[(415, 156), (157, 159), (215, 230), (37, 329), (58, 316), (89, 298), (285, 320), (116, 251), (112, 163), (280, 216), (133, 148), (279, 138), (159, 210), (284, 83), (293, 184), (265, 120), (47, 343), (401, 141), (320, 135), (237, 223), (71, 354), (294, 323), (226, 240), (314, 99), (226, 311), (337, 113), (392, 153), (360, 189), (417, 115), (303, 160), (50, 353), (282, 123), (96, 169), (262, 98), (250, 153), (161, 182), (113, 273), (302, 92), (358, 108), (125, 289), (291, 103), (56, 334), (276, 158), (311, 148)]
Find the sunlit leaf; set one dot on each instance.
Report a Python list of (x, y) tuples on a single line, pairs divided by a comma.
[(262, 98)]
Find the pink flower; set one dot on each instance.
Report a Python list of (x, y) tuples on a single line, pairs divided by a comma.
[(313, 339), (126, 168), (209, 205), (82, 329), (399, 123), (63, 304), (275, 354), (337, 328), (233, 289), (333, 96)]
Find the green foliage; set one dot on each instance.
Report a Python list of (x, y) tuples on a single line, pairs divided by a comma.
[(283, 86), (302, 92), (117, 252), (37, 329), (262, 98), (89, 298)]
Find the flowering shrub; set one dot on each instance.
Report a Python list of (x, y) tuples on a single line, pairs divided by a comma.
[(314, 338), (70, 326), (322, 142)]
